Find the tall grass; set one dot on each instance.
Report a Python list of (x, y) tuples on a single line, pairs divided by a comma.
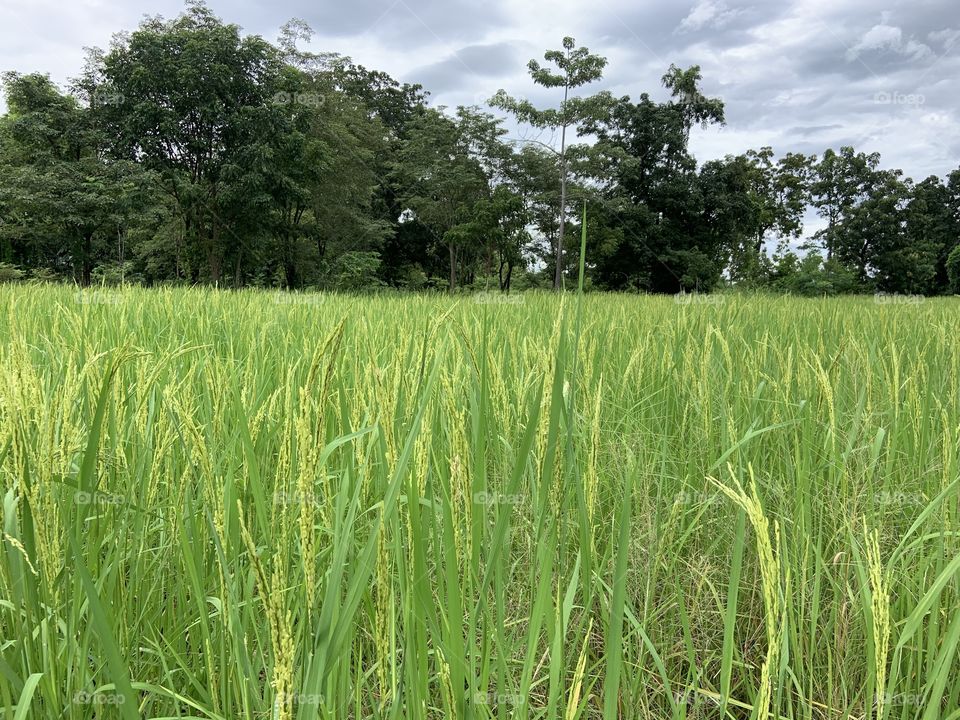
[(232, 505)]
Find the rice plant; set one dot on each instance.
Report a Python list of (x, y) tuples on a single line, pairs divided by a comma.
[(243, 504)]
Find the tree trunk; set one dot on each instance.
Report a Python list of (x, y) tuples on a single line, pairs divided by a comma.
[(290, 271), (237, 280), (213, 256), (120, 254), (453, 267), (180, 239), (558, 272), (86, 261)]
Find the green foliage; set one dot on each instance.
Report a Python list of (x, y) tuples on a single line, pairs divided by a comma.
[(673, 227), (446, 165), (63, 206), (10, 273), (953, 270), (199, 104), (114, 274), (692, 106), (812, 276), (576, 67), (355, 272)]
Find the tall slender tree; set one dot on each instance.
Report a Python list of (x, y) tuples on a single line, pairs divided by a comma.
[(575, 67)]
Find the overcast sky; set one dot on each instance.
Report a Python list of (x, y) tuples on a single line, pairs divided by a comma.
[(799, 75)]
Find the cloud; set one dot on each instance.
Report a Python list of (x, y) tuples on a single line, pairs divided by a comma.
[(884, 37), (799, 75), (946, 38), (806, 131), (470, 64), (707, 13)]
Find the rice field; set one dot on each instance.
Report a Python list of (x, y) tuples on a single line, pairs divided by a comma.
[(251, 505)]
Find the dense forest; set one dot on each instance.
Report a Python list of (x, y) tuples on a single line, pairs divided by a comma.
[(191, 153)]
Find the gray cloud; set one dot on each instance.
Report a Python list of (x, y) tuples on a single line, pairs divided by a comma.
[(808, 130), (395, 23), (468, 64)]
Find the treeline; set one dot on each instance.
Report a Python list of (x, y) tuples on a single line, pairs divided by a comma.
[(191, 153)]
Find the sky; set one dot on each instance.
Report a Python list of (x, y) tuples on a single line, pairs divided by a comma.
[(797, 75)]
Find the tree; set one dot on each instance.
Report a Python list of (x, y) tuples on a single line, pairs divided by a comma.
[(779, 194), (871, 240), (194, 103), (499, 225), (655, 228), (737, 212), (391, 102), (781, 191), (66, 208), (811, 276), (839, 182), (391, 107), (950, 220), (576, 68), (930, 233), (442, 182), (189, 152), (953, 270), (694, 108), (324, 177), (533, 177)]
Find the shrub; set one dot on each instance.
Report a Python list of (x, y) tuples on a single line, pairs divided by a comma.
[(356, 272), (953, 270), (10, 273)]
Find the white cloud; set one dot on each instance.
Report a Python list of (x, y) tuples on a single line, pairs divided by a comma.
[(712, 13), (946, 38), (889, 38), (796, 97)]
